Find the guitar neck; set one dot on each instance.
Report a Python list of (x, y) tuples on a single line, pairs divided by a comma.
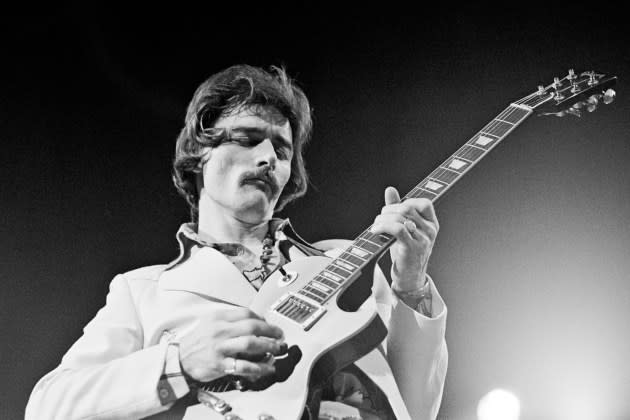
[(369, 246)]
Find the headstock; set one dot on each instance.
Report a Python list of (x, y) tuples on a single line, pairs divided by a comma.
[(573, 94)]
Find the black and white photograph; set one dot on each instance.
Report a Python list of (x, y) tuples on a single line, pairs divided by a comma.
[(230, 215)]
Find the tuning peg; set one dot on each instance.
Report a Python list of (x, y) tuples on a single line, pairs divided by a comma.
[(575, 87), (556, 85), (609, 96)]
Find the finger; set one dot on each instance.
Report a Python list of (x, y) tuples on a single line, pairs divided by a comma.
[(392, 224), (424, 208), (243, 367), (255, 327), (405, 230), (411, 223), (418, 210), (250, 346), (391, 196), (423, 226)]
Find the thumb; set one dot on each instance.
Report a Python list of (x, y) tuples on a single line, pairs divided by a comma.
[(391, 196)]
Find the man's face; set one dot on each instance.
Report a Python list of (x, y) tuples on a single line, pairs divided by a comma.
[(246, 175)]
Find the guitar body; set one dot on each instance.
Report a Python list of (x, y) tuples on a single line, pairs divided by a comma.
[(337, 339)]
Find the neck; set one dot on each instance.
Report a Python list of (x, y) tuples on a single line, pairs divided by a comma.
[(218, 224)]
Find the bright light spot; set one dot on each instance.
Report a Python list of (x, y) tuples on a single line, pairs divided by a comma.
[(498, 404)]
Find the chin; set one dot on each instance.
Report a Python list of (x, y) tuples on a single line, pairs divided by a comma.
[(257, 210)]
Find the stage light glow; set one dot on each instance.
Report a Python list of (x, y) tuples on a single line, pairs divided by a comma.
[(498, 404)]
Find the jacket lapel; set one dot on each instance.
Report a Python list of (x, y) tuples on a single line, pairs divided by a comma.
[(209, 273)]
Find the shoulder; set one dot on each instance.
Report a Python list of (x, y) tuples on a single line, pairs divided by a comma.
[(148, 273), (139, 278)]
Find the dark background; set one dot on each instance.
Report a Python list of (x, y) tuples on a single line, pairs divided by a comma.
[(533, 254)]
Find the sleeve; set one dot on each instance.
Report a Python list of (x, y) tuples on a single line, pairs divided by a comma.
[(106, 374), (415, 348)]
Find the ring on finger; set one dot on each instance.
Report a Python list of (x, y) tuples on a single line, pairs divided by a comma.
[(231, 370), (410, 225), (269, 358)]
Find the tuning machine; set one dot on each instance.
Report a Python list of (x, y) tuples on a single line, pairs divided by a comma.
[(590, 104), (557, 84)]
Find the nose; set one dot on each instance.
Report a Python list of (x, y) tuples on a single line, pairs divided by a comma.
[(266, 154)]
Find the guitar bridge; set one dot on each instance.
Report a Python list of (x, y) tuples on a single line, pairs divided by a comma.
[(299, 309)]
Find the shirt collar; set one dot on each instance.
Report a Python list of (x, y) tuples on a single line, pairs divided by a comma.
[(187, 238)]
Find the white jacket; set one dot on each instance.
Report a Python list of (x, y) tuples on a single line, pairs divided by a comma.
[(112, 371)]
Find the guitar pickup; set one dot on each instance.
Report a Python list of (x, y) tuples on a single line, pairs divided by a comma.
[(299, 309)]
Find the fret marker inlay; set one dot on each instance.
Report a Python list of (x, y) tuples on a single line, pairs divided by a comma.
[(483, 140), (331, 276), (457, 164), (345, 265), (432, 185), (358, 252)]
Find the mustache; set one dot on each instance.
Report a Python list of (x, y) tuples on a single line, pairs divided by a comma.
[(263, 173)]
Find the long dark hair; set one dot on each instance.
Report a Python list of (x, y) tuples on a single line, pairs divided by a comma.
[(223, 92)]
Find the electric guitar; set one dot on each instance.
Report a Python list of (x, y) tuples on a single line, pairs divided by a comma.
[(324, 305)]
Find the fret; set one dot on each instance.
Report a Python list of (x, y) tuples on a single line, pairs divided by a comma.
[(502, 120), (314, 290), (309, 295), (444, 174), (313, 294), (367, 235), (358, 251), (376, 238), (330, 276), (516, 115), (338, 270), (476, 146), (327, 282), (498, 128), (470, 153), (367, 245), (385, 237), (348, 267), (422, 193), (347, 257), (488, 134), (321, 287)]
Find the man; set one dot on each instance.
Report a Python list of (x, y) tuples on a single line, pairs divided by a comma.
[(167, 330)]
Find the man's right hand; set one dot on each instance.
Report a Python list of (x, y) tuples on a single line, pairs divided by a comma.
[(233, 340)]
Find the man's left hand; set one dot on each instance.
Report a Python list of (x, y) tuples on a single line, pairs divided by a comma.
[(415, 226)]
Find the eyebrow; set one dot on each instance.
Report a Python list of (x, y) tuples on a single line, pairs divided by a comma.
[(256, 130)]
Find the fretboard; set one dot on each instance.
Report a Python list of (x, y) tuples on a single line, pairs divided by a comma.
[(367, 246)]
